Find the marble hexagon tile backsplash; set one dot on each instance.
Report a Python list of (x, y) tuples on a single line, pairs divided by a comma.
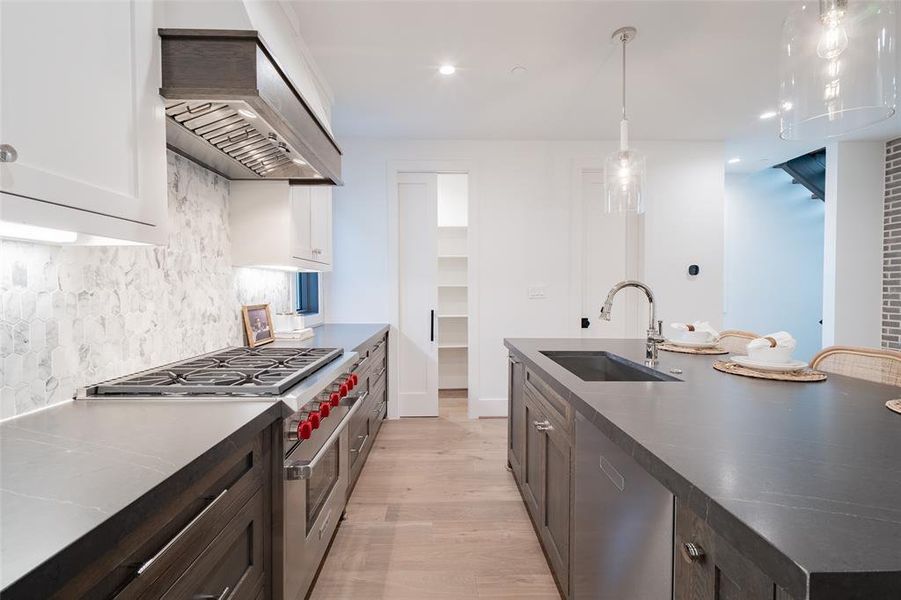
[(71, 316)]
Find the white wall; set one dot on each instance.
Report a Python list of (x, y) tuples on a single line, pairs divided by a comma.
[(453, 200), (523, 227), (774, 258), (852, 269)]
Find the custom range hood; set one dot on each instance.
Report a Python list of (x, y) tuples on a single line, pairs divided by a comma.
[(231, 108)]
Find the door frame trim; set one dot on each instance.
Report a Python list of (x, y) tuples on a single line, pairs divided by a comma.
[(437, 166), (633, 314)]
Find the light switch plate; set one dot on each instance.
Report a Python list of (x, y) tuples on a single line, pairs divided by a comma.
[(537, 292)]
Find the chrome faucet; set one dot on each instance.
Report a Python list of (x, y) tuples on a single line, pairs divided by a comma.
[(655, 327)]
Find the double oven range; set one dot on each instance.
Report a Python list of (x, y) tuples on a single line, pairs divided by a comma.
[(316, 436)]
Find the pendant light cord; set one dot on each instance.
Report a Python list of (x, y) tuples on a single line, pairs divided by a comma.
[(624, 75)]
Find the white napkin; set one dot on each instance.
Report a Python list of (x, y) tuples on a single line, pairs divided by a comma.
[(699, 326), (783, 340)]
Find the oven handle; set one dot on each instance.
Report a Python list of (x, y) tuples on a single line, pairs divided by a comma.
[(303, 469)]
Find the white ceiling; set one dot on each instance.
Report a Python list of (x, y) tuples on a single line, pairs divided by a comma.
[(697, 70)]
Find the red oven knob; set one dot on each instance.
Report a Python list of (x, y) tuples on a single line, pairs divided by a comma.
[(343, 390), (334, 399), (304, 430), (313, 419), (349, 383), (324, 409), (355, 378)]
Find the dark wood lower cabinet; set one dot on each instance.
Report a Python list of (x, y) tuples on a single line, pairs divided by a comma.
[(546, 482), (708, 568), (531, 484), (210, 538), (540, 451), (516, 424), (555, 523), (232, 565)]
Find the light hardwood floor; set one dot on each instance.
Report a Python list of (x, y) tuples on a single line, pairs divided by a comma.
[(435, 514)]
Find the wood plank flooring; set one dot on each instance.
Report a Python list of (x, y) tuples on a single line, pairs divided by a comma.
[(435, 514)]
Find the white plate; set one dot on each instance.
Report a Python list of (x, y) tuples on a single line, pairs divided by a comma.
[(692, 344), (787, 367)]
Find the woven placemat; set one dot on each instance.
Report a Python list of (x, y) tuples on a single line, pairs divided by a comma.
[(805, 375), (684, 350), (894, 405)]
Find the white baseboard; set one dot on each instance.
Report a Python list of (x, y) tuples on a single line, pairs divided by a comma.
[(488, 407)]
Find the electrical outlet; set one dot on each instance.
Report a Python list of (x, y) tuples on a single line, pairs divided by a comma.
[(537, 292)]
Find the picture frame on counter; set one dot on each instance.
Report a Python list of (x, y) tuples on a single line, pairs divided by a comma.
[(258, 324)]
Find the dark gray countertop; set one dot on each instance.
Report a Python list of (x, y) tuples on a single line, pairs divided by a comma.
[(803, 478), (67, 470)]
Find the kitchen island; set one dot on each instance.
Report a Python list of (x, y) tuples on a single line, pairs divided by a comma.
[(797, 482), (81, 480)]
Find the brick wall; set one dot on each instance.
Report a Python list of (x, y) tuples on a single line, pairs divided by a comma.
[(891, 249)]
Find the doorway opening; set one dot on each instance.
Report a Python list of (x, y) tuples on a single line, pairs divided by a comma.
[(774, 250), (453, 289), (434, 293)]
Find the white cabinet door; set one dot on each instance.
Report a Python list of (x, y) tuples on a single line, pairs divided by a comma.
[(80, 105), (301, 222), (321, 223), (417, 195)]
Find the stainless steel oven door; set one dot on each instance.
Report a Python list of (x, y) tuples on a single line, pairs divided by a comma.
[(315, 489)]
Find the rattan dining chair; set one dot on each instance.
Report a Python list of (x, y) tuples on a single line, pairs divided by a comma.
[(872, 364), (735, 340)]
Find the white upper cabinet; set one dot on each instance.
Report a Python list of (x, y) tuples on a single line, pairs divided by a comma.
[(321, 223), (277, 225), (80, 105)]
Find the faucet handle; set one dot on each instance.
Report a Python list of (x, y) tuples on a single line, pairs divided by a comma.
[(660, 328)]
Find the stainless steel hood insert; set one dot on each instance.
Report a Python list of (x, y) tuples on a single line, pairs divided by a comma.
[(231, 108)]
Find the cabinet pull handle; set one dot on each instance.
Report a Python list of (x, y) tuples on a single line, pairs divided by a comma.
[(691, 552), (221, 596), (8, 153), (432, 325), (543, 425), (181, 533)]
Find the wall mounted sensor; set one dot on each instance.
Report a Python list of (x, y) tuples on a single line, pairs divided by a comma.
[(693, 270)]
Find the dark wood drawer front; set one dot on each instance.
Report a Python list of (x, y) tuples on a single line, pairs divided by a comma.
[(359, 437), (231, 566), (193, 526), (379, 355), (378, 408), (555, 406), (720, 572)]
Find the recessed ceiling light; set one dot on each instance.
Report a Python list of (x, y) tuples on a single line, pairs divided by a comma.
[(787, 106), (734, 160), (246, 113), (768, 115), (447, 69)]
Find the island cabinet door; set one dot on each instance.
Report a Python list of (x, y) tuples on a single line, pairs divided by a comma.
[(556, 469), (533, 448), (516, 422), (706, 567)]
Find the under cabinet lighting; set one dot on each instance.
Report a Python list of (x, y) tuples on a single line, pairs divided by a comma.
[(33, 233)]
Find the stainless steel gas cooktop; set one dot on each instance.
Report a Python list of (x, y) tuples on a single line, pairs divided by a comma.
[(230, 372)]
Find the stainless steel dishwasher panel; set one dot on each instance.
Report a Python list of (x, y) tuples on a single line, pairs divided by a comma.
[(623, 534)]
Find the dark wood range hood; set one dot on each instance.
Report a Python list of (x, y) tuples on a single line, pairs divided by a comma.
[(231, 108)]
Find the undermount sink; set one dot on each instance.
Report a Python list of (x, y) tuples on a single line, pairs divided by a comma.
[(603, 366)]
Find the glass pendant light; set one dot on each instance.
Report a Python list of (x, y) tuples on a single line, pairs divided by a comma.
[(624, 169), (839, 71)]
